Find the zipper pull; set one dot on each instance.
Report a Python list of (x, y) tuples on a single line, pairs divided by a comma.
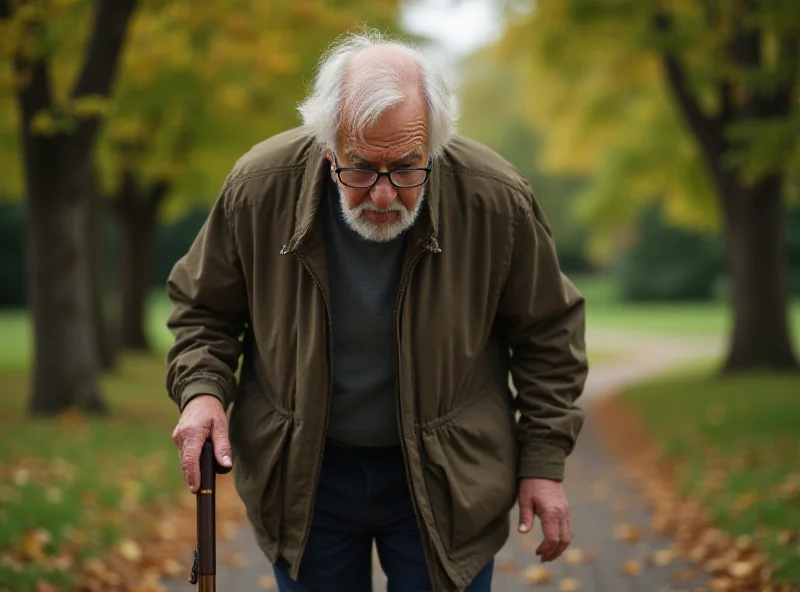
[(433, 245)]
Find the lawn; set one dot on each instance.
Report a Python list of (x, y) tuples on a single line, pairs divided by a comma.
[(605, 311), (737, 445), (73, 487)]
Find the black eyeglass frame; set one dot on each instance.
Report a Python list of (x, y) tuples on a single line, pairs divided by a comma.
[(378, 174)]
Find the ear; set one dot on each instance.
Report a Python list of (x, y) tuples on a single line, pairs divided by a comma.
[(329, 156)]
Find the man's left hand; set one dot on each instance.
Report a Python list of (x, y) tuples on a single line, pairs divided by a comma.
[(545, 499)]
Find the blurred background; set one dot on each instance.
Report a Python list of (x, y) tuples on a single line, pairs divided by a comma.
[(661, 140)]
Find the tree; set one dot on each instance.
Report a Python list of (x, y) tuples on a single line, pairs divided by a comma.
[(691, 102), (197, 89), (60, 112)]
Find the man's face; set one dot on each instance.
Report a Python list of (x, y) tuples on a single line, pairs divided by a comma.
[(397, 140)]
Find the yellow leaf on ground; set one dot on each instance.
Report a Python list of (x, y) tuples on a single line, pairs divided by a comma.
[(172, 567), (663, 557), (267, 583), (575, 556), (569, 585), (20, 476), (537, 575), (34, 542), (742, 569), (632, 568), (627, 533), (130, 550)]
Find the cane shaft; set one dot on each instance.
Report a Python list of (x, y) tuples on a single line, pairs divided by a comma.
[(206, 527), (207, 584)]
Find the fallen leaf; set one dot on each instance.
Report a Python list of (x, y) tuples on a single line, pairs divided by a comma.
[(663, 557), (720, 585), (267, 583), (575, 556), (537, 575), (627, 533), (632, 568), (787, 537), (742, 569), (744, 542), (34, 542), (172, 567), (20, 476), (130, 550), (569, 585)]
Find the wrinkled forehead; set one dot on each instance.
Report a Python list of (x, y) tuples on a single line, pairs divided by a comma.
[(398, 132)]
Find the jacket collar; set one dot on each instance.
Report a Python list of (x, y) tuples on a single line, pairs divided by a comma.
[(426, 227)]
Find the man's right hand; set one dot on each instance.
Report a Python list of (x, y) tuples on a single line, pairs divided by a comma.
[(203, 417)]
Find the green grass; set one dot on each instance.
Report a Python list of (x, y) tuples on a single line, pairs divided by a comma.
[(16, 341), (604, 310), (747, 426), (93, 477)]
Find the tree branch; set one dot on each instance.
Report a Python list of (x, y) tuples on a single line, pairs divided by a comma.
[(100, 64), (708, 130), (33, 95), (789, 63)]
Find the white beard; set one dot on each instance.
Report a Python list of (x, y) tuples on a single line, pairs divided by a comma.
[(383, 232)]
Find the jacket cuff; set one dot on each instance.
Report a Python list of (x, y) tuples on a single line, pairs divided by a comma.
[(542, 460), (195, 389)]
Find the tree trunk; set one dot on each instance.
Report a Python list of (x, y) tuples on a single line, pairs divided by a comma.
[(65, 370), (137, 223), (104, 339), (758, 267)]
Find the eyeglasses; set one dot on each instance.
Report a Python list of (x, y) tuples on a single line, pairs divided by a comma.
[(364, 178)]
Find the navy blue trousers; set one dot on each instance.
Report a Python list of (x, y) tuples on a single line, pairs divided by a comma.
[(363, 496)]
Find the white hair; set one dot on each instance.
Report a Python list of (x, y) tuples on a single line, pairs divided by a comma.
[(364, 94)]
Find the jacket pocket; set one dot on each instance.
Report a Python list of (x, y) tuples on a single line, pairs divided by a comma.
[(259, 434), (471, 470)]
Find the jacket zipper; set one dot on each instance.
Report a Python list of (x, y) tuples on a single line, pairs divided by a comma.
[(296, 568), (401, 293)]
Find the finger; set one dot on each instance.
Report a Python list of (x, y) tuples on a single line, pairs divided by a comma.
[(526, 511), (190, 461), (222, 446), (551, 531), (565, 538)]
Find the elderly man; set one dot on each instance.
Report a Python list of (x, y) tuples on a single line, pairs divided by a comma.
[(379, 277)]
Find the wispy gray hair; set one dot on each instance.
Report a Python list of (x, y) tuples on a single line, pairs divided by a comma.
[(364, 95)]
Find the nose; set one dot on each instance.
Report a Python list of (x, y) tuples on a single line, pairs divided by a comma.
[(383, 193)]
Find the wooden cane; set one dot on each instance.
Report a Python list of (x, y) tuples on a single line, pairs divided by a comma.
[(204, 568)]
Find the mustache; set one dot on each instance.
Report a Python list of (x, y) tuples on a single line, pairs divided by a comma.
[(368, 206)]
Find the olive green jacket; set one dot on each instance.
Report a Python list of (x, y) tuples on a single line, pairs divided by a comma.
[(481, 296)]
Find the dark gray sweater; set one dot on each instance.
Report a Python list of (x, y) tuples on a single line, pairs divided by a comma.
[(364, 278)]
